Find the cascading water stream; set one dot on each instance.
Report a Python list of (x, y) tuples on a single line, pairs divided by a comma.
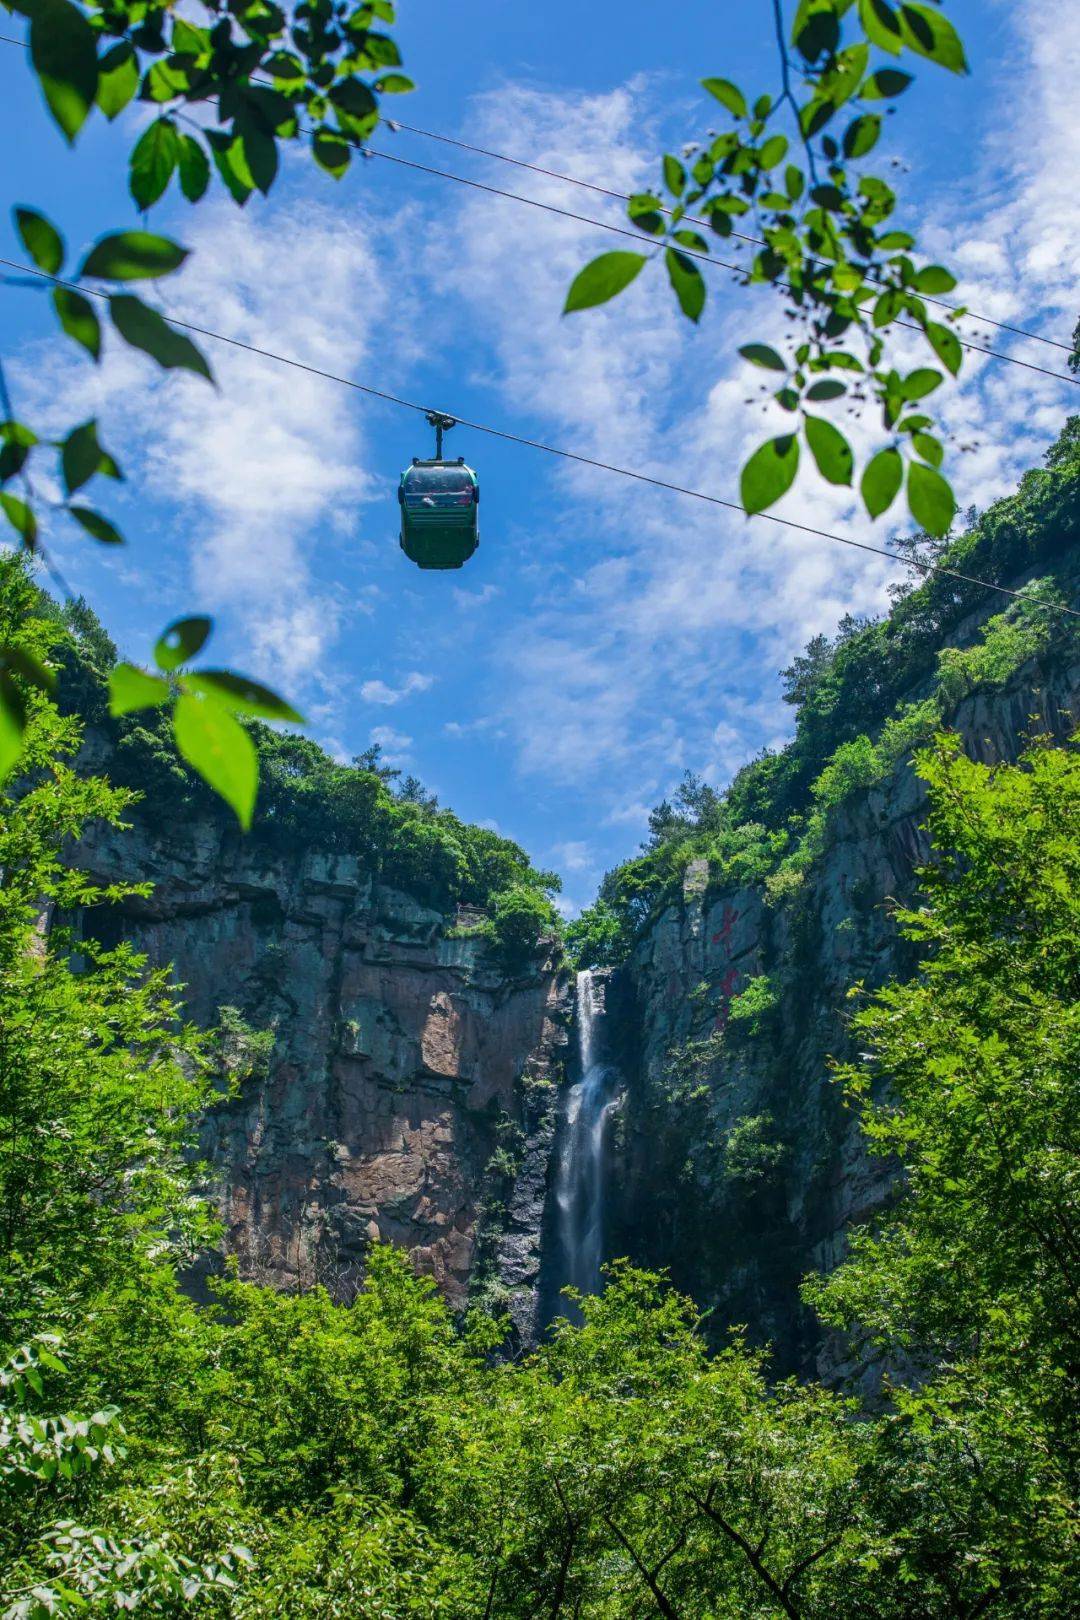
[(579, 1177)]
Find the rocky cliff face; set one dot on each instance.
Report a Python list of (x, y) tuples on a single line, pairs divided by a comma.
[(736, 1164), (402, 1087)]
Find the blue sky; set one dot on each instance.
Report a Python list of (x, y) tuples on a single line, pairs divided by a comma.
[(605, 638)]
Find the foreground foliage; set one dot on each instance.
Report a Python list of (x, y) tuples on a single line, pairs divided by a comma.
[(283, 1455)]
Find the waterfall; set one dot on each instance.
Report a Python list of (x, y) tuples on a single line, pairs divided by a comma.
[(579, 1171)]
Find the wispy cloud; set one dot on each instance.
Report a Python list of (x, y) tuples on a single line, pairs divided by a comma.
[(380, 692), (256, 468), (657, 623)]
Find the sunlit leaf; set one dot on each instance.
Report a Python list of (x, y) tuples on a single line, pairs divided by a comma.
[(12, 724), (601, 279), (769, 473), (78, 319), (917, 384), (241, 695), (181, 641), (217, 746), (118, 79), (862, 136), (946, 346), (27, 664), (934, 278), (929, 448), (63, 50), (21, 518), (674, 175), (930, 497), (153, 160), (928, 32), (81, 456), (131, 688), (145, 329), (830, 450), (394, 84), (41, 239), (881, 480), (728, 94), (881, 25), (132, 256), (331, 152), (884, 84), (688, 282)]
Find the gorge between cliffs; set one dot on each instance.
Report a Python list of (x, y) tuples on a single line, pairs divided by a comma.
[(515, 1128)]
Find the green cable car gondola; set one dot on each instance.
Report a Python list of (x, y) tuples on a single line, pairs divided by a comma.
[(438, 501)]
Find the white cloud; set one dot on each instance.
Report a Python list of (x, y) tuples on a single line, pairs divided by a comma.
[(658, 622), (380, 692), (395, 745), (272, 458)]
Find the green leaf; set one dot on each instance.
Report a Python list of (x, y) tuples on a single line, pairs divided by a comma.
[(63, 49), (81, 456), (394, 84), (769, 473), (930, 497), (153, 159), (601, 279), (241, 695), (132, 256), (829, 388), (194, 168), (21, 518), (331, 152), (181, 641), (728, 94), (830, 450), (816, 29), (773, 151), (881, 480), (118, 79), (929, 448), (96, 525), (131, 688), (862, 136), (760, 354), (145, 329), (260, 154), (25, 663), (946, 345), (218, 747), (688, 282), (674, 175), (644, 211), (932, 35), (917, 384), (231, 164), (934, 278), (41, 240), (881, 25), (78, 319), (884, 84), (16, 442), (12, 724)]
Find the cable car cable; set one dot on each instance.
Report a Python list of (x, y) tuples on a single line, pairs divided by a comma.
[(691, 253), (927, 569), (621, 196)]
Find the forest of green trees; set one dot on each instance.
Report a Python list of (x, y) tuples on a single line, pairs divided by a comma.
[(277, 1454)]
